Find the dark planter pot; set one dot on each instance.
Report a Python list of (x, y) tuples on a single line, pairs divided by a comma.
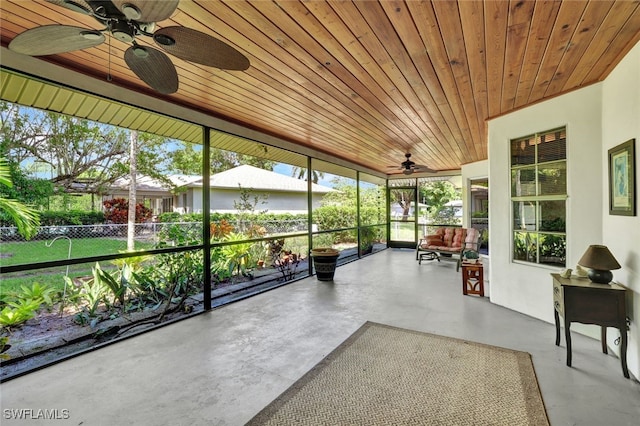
[(324, 263)]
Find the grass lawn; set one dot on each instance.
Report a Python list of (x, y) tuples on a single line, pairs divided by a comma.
[(50, 277), (19, 253), (36, 251)]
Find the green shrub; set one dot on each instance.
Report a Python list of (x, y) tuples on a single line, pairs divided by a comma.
[(72, 217), (337, 217), (229, 217)]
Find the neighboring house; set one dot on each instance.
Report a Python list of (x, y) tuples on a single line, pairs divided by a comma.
[(157, 195), (277, 193)]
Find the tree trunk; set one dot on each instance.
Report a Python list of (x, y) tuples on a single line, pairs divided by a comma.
[(405, 212), (133, 171)]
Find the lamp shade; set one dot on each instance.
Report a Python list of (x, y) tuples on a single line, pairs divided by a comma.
[(599, 259)]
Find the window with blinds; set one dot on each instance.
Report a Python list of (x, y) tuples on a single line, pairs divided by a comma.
[(538, 195)]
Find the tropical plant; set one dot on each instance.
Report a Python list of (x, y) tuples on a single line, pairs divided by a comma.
[(92, 291), (147, 289), (116, 211), (34, 192), (173, 278), (25, 218), (220, 230), (554, 246), (236, 255), (368, 235), (133, 262), (18, 312), (287, 263), (525, 246), (38, 292), (4, 346), (219, 269), (118, 283)]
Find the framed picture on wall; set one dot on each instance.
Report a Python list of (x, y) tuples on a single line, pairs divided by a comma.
[(622, 178)]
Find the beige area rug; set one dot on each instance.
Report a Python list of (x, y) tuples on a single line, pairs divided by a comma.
[(383, 375)]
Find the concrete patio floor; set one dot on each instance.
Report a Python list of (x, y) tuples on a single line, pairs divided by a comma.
[(222, 367)]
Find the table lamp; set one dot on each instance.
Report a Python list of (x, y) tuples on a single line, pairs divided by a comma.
[(600, 262)]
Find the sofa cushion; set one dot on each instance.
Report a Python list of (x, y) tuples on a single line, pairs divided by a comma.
[(440, 248), (432, 240), (458, 238), (450, 239), (472, 238)]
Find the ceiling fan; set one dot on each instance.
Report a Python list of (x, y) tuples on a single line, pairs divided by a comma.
[(408, 166), (128, 20)]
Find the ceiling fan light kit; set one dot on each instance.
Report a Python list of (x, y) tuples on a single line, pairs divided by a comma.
[(131, 12), (164, 40), (408, 166), (91, 35), (75, 6), (125, 21), (140, 52), (122, 31)]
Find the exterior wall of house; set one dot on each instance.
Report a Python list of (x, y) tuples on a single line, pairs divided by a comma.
[(527, 287), (222, 200), (597, 118), (621, 122)]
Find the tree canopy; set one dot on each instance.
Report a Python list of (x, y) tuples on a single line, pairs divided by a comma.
[(82, 156), (187, 159), (303, 173), (79, 155)]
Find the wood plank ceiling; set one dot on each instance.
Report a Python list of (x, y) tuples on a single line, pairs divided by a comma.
[(367, 81)]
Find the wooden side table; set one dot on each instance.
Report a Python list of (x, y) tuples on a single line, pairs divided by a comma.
[(473, 278), (580, 300)]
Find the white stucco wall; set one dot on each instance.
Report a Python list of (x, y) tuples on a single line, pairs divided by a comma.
[(621, 122), (276, 202), (597, 118), (526, 287), (223, 200)]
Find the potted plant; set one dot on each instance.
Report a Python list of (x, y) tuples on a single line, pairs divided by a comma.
[(367, 238), (324, 262), (470, 256)]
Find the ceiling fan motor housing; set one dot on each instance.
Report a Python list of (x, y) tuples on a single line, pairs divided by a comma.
[(122, 31)]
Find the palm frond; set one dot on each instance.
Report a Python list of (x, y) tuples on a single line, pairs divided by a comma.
[(26, 219)]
